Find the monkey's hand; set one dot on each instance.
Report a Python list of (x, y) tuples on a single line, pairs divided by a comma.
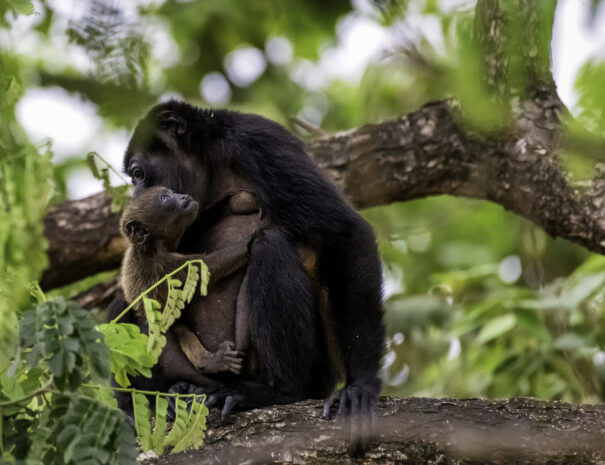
[(226, 358), (357, 403)]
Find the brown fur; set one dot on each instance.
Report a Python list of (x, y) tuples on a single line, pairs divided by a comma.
[(154, 231)]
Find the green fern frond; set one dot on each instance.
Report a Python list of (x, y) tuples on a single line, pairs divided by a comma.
[(161, 424), (142, 416), (179, 424), (193, 277), (195, 428), (205, 278)]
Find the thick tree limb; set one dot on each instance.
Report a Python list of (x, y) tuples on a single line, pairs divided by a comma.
[(427, 152), (84, 239), (412, 431)]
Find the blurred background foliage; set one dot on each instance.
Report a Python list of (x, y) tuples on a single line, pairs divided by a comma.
[(478, 302)]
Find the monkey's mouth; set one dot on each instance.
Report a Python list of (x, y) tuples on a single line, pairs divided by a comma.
[(189, 205)]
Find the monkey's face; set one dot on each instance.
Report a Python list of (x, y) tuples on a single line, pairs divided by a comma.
[(159, 214), (160, 153)]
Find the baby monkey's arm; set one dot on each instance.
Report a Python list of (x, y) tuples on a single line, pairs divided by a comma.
[(221, 263)]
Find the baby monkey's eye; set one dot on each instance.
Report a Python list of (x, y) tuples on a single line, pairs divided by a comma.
[(165, 197)]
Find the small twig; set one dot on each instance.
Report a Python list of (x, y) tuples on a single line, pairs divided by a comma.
[(307, 127), (41, 390), (95, 154), (149, 393)]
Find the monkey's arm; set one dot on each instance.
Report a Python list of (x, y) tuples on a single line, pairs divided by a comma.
[(221, 263)]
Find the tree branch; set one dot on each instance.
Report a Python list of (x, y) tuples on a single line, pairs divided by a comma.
[(84, 239), (414, 431), (427, 152)]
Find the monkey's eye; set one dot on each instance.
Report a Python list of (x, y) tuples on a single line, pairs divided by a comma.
[(165, 197), (137, 174)]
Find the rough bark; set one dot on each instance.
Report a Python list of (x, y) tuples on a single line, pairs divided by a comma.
[(412, 431), (84, 239)]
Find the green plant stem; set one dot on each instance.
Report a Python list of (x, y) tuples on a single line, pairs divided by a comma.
[(143, 294), (95, 154), (150, 393), (41, 390)]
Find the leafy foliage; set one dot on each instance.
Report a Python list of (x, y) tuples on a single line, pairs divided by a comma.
[(47, 416), (186, 432), (158, 322), (127, 351), (473, 334), (23, 194), (119, 195), (77, 422), (61, 336)]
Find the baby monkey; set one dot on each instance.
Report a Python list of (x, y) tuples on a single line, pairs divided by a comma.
[(154, 223)]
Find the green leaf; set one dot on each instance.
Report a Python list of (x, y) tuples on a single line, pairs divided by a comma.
[(179, 424), (195, 428), (92, 164), (24, 7), (142, 417), (190, 282), (496, 327), (127, 451), (160, 425), (205, 279), (127, 351)]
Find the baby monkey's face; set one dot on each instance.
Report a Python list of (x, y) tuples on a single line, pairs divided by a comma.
[(161, 213)]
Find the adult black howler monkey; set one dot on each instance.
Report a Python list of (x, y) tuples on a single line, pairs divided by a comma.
[(210, 154)]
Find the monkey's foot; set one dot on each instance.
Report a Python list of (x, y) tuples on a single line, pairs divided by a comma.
[(356, 403)]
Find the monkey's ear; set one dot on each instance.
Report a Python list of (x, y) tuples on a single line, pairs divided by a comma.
[(168, 120), (136, 232)]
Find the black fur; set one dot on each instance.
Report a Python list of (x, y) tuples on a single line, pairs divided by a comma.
[(190, 152), (282, 304)]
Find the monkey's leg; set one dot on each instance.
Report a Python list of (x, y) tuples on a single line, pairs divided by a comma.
[(283, 314), (226, 358), (352, 272)]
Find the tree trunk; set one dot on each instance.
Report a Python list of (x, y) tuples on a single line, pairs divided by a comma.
[(412, 431)]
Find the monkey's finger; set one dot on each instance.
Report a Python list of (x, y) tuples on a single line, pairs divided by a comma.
[(365, 421), (329, 403), (211, 400), (230, 403), (235, 367), (343, 406), (354, 421), (232, 354)]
